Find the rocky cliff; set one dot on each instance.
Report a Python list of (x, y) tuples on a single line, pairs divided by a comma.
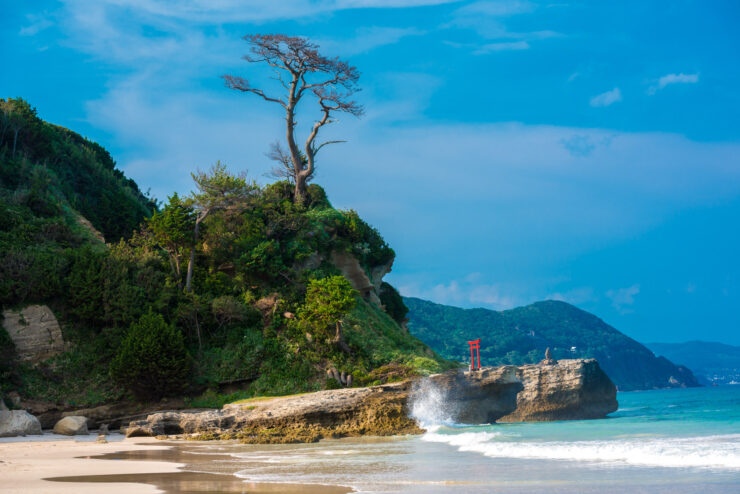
[(377, 410), (35, 332), (564, 390)]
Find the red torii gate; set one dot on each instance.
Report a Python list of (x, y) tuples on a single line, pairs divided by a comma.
[(474, 345)]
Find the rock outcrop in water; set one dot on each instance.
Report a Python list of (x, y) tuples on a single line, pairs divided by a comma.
[(559, 390), (567, 389)]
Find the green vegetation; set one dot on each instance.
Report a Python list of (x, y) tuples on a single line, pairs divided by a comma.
[(521, 335), (152, 360), (226, 267), (393, 303), (328, 301)]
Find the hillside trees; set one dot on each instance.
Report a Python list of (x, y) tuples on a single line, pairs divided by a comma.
[(218, 189), (301, 71), (11, 123), (328, 301), (152, 360), (172, 228)]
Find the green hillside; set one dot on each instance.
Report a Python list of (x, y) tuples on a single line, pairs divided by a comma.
[(521, 335), (58, 192), (238, 323)]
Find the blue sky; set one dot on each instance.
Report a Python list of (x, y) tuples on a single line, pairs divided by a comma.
[(511, 151)]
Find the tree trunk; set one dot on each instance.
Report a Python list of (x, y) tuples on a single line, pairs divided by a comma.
[(177, 271), (15, 140), (191, 263), (300, 193), (339, 339), (197, 331), (172, 264), (299, 196)]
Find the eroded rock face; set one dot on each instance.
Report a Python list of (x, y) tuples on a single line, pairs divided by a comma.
[(565, 390), (34, 331), (378, 410), (355, 274), (18, 423), (368, 286), (71, 426), (559, 390)]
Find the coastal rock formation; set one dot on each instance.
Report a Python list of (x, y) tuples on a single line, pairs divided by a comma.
[(378, 411), (567, 389), (71, 426), (18, 423), (558, 390), (34, 331), (368, 286)]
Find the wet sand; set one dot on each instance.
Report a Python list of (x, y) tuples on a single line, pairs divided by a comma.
[(141, 465), (25, 464), (198, 482)]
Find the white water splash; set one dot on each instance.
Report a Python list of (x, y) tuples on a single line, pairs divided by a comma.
[(430, 405)]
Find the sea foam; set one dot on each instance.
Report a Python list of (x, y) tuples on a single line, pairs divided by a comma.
[(708, 451)]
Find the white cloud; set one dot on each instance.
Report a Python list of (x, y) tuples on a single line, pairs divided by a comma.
[(496, 8), (669, 79), (366, 39), (623, 298), (37, 23), (506, 46), (463, 293), (607, 98), (485, 19), (229, 11)]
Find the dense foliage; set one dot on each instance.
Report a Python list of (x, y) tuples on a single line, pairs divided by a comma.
[(47, 166), (152, 360), (393, 303), (328, 301), (249, 253), (523, 334)]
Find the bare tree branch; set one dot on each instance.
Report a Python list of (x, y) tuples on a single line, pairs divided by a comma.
[(331, 80)]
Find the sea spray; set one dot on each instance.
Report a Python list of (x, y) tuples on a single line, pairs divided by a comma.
[(430, 405)]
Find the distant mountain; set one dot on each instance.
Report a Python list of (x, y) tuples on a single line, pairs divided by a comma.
[(715, 362), (521, 335)]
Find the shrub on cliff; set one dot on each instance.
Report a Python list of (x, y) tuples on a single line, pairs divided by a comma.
[(328, 300), (152, 360)]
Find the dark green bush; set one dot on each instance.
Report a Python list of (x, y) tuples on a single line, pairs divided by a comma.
[(393, 302), (152, 361)]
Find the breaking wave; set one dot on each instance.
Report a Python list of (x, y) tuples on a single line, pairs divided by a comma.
[(708, 451), (430, 405)]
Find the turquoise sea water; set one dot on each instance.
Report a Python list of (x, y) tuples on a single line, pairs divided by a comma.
[(666, 441)]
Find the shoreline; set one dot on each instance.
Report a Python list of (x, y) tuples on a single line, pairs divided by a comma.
[(50, 463), (25, 464)]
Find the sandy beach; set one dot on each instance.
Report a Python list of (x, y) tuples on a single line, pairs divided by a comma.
[(25, 464), (58, 464)]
